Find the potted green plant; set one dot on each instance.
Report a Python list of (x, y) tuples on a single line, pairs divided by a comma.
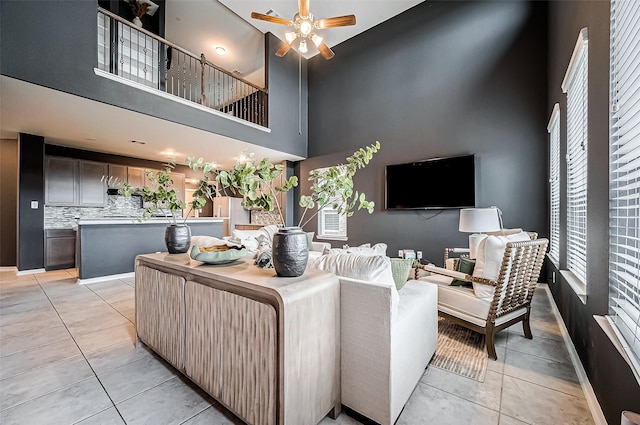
[(160, 198), (332, 186)]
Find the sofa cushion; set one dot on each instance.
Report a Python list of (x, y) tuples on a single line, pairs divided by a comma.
[(400, 269), (367, 268), (489, 258)]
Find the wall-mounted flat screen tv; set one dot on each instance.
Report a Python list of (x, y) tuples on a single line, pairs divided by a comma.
[(436, 183)]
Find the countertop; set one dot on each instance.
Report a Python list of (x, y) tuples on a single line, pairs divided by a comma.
[(123, 220)]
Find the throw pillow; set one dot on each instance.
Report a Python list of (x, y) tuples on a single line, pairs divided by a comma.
[(400, 269), (466, 266), (310, 236), (489, 259), (247, 238), (380, 248)]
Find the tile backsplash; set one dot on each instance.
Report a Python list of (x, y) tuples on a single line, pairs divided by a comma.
[(117, 206)]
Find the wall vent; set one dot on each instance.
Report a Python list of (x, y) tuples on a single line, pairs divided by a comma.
[(272, 12)]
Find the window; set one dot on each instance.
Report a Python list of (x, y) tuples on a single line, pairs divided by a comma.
[(575, 86), (554, 183), (332, 225), (624, 177)]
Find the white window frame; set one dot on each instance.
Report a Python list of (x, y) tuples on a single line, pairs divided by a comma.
[(624, 181), (575, 85), (323, 214), (554, 184)]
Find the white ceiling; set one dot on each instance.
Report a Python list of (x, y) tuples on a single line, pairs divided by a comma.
[(369, 13), (74, 121), (199, 26)]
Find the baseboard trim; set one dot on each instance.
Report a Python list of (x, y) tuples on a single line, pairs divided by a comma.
[(104, 278), (32, 271), (592, 401), (9, 269)]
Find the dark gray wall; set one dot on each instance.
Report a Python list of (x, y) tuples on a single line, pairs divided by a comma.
[(54, 44), (8, 200), (442, 79), (612, 379), (31, 188)]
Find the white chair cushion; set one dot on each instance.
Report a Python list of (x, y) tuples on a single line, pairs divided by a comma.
[(489, 258), (457, 300)]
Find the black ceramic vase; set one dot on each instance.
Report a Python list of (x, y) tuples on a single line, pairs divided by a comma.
[(177, 237), (290, 252)]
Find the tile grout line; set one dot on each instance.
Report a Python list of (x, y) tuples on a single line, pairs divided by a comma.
[(85, 358)]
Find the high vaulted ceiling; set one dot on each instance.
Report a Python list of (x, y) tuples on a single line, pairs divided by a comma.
[(369, 13), (199, 26)]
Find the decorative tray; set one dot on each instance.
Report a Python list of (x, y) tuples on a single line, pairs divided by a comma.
[(218, 254)]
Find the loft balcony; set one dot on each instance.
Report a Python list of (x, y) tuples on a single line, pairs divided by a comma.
[(138, 57)]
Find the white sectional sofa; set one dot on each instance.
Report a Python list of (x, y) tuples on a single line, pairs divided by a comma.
[(387, 337)]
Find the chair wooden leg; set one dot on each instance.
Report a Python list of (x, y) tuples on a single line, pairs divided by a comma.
[(526, 326), (490, 341)]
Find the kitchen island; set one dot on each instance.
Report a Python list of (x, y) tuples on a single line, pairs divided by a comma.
[(109, 246)]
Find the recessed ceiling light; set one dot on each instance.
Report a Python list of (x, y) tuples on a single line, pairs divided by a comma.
[(138, 142), (90, 139), (221, 50)]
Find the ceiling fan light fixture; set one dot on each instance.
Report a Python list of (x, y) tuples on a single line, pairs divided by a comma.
[(290, 36), (303, 46), (221, 50), (317, 40)]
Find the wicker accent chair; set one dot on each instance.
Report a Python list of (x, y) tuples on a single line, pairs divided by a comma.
[(511, 302)]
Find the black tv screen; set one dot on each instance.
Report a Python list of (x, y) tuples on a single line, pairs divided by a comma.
[(436, 183)]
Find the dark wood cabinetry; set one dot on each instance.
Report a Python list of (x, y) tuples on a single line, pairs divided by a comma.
[(117, 175), (73, 182), (93, 187), (59, 249), (61, 181)]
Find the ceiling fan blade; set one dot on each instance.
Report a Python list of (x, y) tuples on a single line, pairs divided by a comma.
[(338, 21), (303, 7), (284, 48), (269, 18), (325, 51)]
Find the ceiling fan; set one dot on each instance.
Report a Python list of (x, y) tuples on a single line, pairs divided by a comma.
[(304, 25)]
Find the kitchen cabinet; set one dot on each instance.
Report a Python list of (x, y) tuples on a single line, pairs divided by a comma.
[(59, 249), (93, 185), (117, 175), (135, 176), (61, 181), (74, 182), (148, 182)]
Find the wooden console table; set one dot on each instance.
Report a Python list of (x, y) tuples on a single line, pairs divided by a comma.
[(265, 347)]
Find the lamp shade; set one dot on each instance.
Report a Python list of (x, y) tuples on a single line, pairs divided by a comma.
[(479, 220)]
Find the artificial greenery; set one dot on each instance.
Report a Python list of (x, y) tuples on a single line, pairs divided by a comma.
[(160, 197), (255, 181), (332, 186)]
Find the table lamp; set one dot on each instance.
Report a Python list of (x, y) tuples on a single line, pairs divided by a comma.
[(477, 221)]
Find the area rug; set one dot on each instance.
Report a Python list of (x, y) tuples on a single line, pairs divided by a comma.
[(460, 351)]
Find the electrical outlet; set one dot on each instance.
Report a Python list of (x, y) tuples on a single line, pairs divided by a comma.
[(34, 205), (553, 277), (400, 253), (419, 255)]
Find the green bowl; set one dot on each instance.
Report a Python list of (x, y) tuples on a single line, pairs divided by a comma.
[(222, 257)]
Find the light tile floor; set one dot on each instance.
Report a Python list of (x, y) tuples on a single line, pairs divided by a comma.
[(67, 356)]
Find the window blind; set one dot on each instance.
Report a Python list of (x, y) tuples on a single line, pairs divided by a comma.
[(330, 223), (575, 85), (554, 183), (624, 177)]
